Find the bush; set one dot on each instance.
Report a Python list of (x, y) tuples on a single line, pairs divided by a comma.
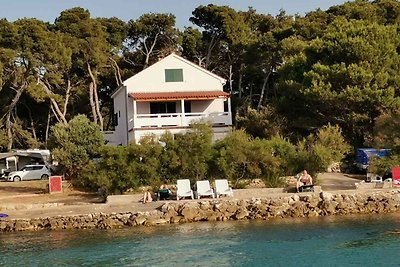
[(264, 123), (286, 153), (238, 157), (152, 161), (194, 150), (317, 152), (123, 168), (74, 144), (383, 166), (114, 173)]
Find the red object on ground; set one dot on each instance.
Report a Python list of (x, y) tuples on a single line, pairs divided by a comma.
[(55, 184), (396, 176)]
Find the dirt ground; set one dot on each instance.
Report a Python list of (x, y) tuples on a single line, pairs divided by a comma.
[(338, 181), (35, 192)]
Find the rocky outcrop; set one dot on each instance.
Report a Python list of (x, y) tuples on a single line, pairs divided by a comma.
[(290, 205)]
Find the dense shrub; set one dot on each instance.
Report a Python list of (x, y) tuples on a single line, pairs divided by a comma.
[(194, 149), (286, 153), (74, 144), (317, 152), (238, 157), (386, 134), (383, 166), (263, 123)]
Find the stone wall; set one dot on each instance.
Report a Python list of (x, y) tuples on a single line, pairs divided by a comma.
[(290, 205)]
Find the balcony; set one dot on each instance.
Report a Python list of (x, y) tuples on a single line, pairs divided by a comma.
[(166, 120)]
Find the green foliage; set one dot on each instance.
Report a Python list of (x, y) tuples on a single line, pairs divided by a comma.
[(238, 157), (75, 144), (194, 151), (347, 76), (152, 161), (286, 153), (264, 123), (383, 166), (123, 168), (387, 131), (3, 140), (317, 152)]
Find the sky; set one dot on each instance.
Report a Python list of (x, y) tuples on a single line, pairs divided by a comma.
[(48, 10)]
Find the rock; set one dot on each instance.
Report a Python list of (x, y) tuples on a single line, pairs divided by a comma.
[(155, 222), (140, 220), (22, 225), (325, 196), (241, 214)]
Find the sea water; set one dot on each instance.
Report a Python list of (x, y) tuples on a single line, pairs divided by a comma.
[(372, 240)]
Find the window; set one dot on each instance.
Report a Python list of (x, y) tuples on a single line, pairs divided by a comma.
[(115, 119), (226, 107), (162, 107), (173, 75), (35, 168), (188, 107)]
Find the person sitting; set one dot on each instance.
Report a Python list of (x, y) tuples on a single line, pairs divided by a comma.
[(304, 179), (164, 192), (147, 197)]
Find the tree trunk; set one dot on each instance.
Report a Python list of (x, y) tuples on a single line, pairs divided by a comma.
[(240, 81), (32, 124), (9, 131), (8, 114), (48, 125), (230, 79), (94, 99), (117, 71), (67, 95), (55, 108), (213, 42), (149, 51), (263, 91)]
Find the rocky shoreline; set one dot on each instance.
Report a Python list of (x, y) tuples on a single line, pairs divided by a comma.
[(290, 205)]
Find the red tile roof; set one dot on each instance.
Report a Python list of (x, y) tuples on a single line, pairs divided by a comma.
[(178, 95)]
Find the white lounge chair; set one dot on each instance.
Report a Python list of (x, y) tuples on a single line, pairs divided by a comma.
[(183, 189), (222, 188), (204, 189)]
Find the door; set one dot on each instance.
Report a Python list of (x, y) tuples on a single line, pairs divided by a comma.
[(27, 173), (36, 172)]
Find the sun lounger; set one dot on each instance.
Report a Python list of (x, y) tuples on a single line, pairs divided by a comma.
[(222, 188), (306, 188), (183, 189), (204, 189)]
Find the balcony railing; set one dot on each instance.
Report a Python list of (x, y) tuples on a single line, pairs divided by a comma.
[(178, 119)]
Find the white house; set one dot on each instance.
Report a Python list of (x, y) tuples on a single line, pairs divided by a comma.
[(169, 96)]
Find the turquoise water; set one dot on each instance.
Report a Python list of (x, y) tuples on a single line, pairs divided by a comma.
[(338, 241)]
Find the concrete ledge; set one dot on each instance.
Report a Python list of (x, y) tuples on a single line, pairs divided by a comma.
[(373, 185), (116, 200), (29, 206)]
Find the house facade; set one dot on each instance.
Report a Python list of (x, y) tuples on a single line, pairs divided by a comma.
[(169, 95)]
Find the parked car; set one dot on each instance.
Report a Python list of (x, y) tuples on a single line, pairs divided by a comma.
[(30, 172)]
